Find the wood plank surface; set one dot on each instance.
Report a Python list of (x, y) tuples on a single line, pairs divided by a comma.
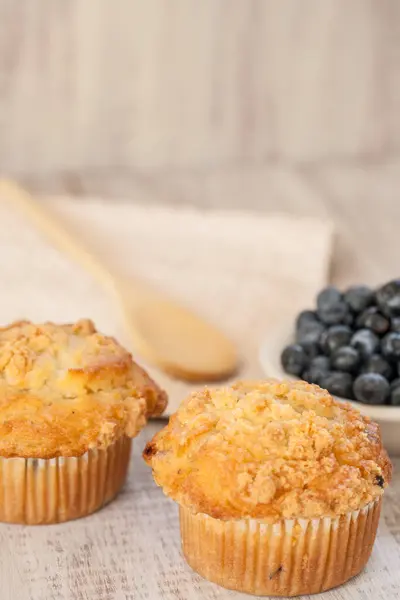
[(130, 550), (149, 84)]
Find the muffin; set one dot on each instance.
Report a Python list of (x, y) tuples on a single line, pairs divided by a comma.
[(71, 399), (279, 486)]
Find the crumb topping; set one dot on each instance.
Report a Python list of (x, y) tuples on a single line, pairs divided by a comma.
[(67, 388), (269, 450)]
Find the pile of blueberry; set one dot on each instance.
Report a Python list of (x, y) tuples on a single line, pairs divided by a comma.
[(350, 345)]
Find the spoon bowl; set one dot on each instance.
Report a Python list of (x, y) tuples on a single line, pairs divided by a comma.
[(167, 334)]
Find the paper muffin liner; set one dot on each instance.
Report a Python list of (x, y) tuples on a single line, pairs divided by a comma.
[(37, 491), (288, 558)]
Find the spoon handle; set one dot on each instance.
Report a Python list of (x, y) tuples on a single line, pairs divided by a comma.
[(54, 229)]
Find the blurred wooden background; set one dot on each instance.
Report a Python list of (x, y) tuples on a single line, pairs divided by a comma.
[(161, 84), (268, 104)]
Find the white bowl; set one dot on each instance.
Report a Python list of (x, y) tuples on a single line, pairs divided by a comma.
[(388, 417)]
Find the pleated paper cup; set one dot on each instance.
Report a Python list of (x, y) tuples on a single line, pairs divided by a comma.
[(288, 558), (38, 491)]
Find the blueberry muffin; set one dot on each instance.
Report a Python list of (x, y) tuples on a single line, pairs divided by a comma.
[(279, 486), (71, 399)]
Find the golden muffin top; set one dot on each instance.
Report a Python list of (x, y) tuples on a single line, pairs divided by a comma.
[(67, 388), (269, 450)]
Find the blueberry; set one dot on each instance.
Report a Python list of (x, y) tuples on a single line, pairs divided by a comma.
[(395, 392), (338, 384), (318, 367), (388, 298), (309, 332), (395, 324), (346, 358), (331, 308), (378, 364), (395, 383), (365, 341), (294, 359), (371, 388), (312, 349), (359, 297), (348, 319), (309, 376), (305, 317), (394, 398), (391, 346), (328, 297), (335, 337), (335, 313), (321, 362), (374, 320)]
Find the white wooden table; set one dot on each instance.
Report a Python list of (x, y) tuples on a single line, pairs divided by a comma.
[(131, 551)]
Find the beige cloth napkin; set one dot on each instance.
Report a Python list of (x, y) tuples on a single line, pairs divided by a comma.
[(243, 271)]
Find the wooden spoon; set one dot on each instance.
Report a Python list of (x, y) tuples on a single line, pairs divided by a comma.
[(165, 333)]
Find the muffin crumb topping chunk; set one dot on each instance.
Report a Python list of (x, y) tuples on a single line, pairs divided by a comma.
[(269, 450), (67, 388)]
